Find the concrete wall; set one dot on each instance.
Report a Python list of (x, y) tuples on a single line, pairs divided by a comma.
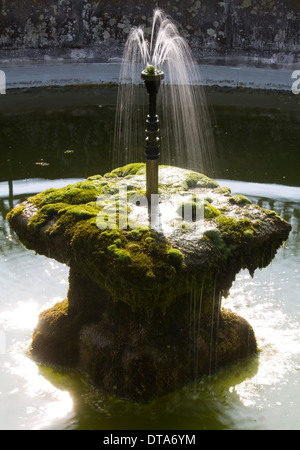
[(242, 31)]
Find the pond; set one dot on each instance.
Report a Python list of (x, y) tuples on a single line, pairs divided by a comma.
[(52, 137)]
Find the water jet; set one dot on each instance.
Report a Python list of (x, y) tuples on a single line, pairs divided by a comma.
[(185, 130)]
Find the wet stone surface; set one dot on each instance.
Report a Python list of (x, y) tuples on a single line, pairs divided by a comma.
[(145, 297)]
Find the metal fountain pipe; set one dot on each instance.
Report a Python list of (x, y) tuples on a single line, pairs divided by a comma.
[(152, 79)]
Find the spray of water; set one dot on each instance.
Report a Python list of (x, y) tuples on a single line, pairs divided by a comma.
[(186, 132), (195, 321)]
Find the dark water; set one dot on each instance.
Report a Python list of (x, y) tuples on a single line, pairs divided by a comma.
[(49, 138), (69, 134)]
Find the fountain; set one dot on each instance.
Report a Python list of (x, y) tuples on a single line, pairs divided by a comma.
[(185, 131), (143, 314), (152, 78)]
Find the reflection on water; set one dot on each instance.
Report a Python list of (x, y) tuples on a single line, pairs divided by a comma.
[(259, 393), (56, 404), (58, 136), (24, 316)]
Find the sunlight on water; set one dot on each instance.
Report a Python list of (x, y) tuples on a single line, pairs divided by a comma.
[(32, 387), (30, 284), (56, 403), (24, 316), (260, 301)]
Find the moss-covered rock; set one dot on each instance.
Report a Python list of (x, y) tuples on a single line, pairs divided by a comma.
[(201, 230), (130, 269), (175, 257), (240, 200), (131, 355)]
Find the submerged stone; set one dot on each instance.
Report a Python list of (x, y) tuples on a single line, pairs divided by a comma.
[(134, 276)]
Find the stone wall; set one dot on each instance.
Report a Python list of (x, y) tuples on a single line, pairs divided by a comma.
[(256, 31)]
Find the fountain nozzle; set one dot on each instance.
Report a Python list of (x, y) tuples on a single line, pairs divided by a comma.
[(152, 78)]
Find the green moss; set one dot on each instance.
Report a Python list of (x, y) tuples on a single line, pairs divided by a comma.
[(231, 225), (231, 234), (271, 214), (236, 233), (81, 212), (223, 191), (249, 234), (210, 212), (175, 257), (198, 180), (61, 214), (240, 200), (14, 213), (122, 255), (149, 240), (54, 314), (118, 242), (138, 233), (136, 265), (129, 264), (126, 171), (216, 237), (150, 69), (195, 208), (42, 217), (97, 178), (75, 194)]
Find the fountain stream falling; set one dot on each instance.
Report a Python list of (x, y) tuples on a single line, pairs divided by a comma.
[(182, 135), (186, 132)]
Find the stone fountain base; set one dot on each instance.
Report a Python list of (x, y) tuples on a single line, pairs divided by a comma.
[(143, 314), (131, 354)]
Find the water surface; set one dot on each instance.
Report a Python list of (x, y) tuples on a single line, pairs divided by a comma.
[(50, 139)]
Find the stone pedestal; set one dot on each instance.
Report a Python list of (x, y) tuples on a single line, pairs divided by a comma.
[(143, 314), (131, 354)]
